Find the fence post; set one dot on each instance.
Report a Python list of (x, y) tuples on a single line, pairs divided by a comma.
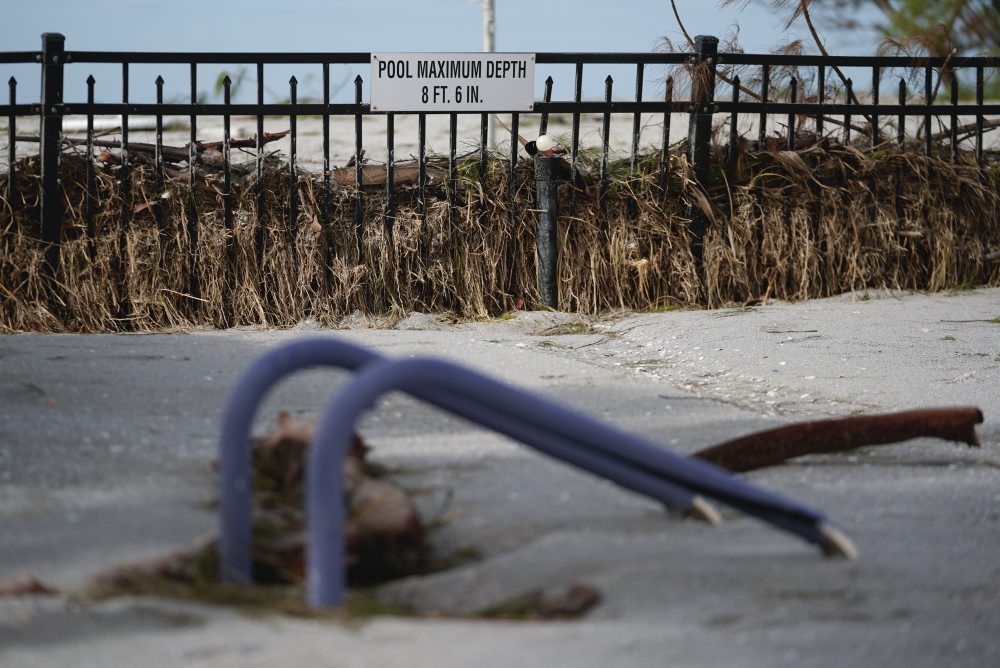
[(53, 57), (547, 190), (700, 133)]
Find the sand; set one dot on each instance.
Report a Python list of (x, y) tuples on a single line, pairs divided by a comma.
[(106, 443)]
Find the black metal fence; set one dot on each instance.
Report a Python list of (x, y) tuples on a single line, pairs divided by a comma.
[(788, 99)]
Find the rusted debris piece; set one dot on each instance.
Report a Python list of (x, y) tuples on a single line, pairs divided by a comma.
[(26, 585), (572, 603), (383, 535), (774, 446)]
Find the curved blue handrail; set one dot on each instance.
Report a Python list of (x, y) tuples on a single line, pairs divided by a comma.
[(235, 475), (325, 501)]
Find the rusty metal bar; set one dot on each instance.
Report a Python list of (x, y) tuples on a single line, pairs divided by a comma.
[(767, 448)]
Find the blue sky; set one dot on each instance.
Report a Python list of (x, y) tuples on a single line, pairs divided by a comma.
[(372, 25)]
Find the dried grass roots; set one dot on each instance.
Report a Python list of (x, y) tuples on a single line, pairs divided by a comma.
[(783, 224)]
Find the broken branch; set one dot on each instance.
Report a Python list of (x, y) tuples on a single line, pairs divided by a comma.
[(250, 142), (170, 153)]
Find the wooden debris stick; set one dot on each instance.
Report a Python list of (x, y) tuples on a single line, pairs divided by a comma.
[(209, 154), (250, 142), (170, 153), (774, 446)]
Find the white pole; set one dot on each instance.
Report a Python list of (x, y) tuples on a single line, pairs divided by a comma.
[(489, 26), (489, 46)]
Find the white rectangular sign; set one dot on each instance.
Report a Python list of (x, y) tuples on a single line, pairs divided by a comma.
[(476, 82)]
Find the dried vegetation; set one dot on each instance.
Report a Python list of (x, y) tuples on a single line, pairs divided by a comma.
[(814, 222)]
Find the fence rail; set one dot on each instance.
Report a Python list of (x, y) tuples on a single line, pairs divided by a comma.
[(784, 103)]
